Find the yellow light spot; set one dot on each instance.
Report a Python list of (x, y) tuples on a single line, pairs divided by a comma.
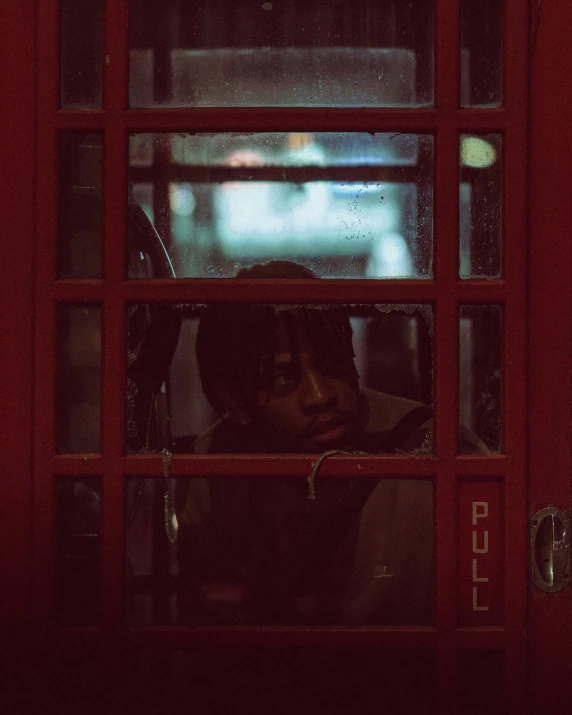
[(477, 153)]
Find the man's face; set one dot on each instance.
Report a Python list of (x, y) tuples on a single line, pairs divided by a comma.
[(309, 409)]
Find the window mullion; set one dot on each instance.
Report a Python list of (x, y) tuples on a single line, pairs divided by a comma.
[(446, 341)]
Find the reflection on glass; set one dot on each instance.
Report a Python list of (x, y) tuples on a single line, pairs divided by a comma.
[(481, 54), (344, 204), (80, 205), (152, 566), (300, 53), (81, 54), (480, 196), (78, 378), (480, 408), (259, 551), (78, 536), (247, 378)]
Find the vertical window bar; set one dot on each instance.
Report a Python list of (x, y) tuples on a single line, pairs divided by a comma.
[(47, 96), (447, 78), (48, 70), (17, 35), (114, 236), (44, 448), (515, 212)]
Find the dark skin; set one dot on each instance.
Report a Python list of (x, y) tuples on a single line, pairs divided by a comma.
[(310, 407), (304, 407)]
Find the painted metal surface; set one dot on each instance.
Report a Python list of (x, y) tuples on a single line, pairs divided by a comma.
[(16, 317), (550, 313), (550, 264)]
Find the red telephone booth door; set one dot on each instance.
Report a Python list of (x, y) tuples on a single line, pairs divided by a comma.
[(500, 312)]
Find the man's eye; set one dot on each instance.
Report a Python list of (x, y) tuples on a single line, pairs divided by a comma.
[(283, 379)]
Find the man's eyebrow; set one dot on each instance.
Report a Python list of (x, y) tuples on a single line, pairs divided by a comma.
[(282, 359)]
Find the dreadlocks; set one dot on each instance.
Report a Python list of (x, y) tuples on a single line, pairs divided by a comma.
[(236, 342)]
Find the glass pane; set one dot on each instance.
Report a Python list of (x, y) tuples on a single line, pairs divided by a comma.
[(80, 205), (363, 53), (258, 551), (480, 197), (344, 204), (244, 378), (481, 54), (81, 54), (79, 378), (78, 536), (480, 409)]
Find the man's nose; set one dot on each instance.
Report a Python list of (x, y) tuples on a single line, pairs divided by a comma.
[(316, 390)]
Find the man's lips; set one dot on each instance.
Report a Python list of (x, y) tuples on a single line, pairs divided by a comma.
[(325, 431)]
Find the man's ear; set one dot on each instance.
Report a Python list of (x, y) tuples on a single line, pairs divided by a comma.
[(234, 410)]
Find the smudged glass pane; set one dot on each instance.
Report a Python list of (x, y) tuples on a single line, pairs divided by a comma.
[(78, 540), (300, 380), (481, 53), (78, 403), (480, 197), (81, 54), (480, 408), (80, 205), (344, 204), (363, 53), (259, 551)]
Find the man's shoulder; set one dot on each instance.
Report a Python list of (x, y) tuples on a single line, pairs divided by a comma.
[(204, 443), (385, 411)]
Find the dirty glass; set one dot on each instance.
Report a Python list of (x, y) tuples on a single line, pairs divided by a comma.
[(372, 366), (341, 53), (80, 205), (343, 204), (480, 198), (258, 551), (81, 54), (78, 387), (78, 541), (480, 367), (481, 53)]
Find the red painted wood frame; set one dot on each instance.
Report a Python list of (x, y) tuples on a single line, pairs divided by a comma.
[(550, 272), (550, 320), (445, 293)]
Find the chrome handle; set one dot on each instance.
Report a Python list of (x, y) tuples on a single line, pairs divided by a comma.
[(550, 549)]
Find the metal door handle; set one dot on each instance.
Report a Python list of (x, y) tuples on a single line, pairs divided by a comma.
[(550, 549)]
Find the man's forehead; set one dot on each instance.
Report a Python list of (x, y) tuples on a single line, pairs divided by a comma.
[(284, 335)]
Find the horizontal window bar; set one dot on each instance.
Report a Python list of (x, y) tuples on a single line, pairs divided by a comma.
[(294, 174), (370, 465), (279, 291), (328, 119)]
